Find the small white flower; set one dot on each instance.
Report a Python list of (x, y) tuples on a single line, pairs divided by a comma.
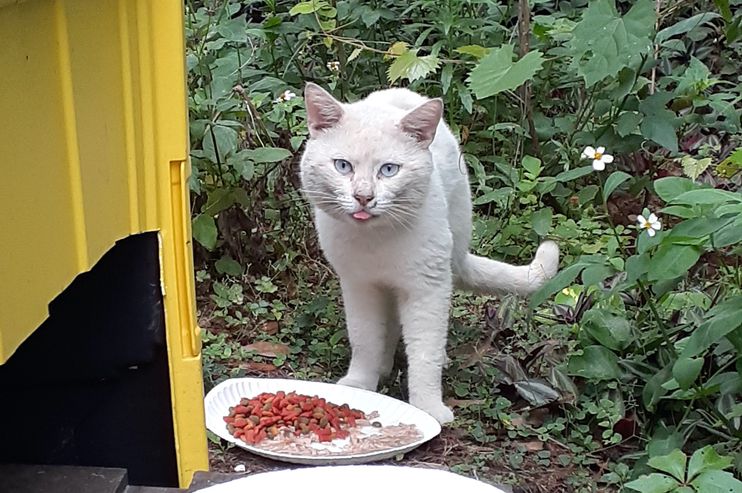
[(599, 157), (240, 468), (651, 224), (285, 96), (333, 66)]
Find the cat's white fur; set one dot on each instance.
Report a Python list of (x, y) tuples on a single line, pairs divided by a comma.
[(398, 268)]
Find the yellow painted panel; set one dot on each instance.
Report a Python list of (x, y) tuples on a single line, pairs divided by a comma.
[(95, 147)]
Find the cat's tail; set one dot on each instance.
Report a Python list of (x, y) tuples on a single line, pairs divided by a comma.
[(488, 276)]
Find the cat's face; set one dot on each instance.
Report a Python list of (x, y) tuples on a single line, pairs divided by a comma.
[(367, 167)]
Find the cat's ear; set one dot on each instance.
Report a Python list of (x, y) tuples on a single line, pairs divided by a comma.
[(422, 122), (323, 111)]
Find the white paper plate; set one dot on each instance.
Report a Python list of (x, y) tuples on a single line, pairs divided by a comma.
[(358, 479), (391, 412)]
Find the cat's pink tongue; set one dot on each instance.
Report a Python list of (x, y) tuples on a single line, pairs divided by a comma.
[(361, 215)]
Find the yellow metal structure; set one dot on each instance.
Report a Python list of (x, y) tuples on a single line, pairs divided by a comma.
[(93, 148)]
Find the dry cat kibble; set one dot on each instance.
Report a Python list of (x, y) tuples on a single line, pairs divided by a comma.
[(297, 423)]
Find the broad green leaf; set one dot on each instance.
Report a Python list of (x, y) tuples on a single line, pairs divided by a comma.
[(563, 279), (679, 211), (308, 7), (627, 123), (412, 67), (595, 274), (595, 363), (636, 267), (693, 168), (541, 221), (603, 42), (672, 186), (695, 80), (612, 331), (672, 261), (721, 320), (613, 181), (717, 482), (659, 123), (672, 463), (573, 174), (476, 51), (686, 371), (228, 265), (204, 231), (653, 483), (698, 227), (706, 459), (269, 154), (497, 72), (532, 165), (728, 235), (685, 25), (664, 440), (707, 196), (226, 140)]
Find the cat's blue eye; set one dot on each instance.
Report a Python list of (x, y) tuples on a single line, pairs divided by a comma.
[(389, 169), (343, 166)]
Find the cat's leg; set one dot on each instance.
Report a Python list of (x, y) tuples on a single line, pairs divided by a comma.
[(365, 315), (424, 315), (391, 340)]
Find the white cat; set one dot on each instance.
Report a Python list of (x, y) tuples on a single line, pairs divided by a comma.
[(392, 207)]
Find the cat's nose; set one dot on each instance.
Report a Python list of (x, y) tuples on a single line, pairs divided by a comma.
[(363, 199)]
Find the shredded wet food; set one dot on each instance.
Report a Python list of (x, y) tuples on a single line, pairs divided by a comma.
[(300, 424)]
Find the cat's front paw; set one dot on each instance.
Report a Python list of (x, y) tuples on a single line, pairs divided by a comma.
[(359, 383), (438, 410), (544, 265)]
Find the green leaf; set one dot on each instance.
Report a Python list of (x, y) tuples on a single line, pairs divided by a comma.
[(536, 392), (686, 371), (541, 221), (653, 483), (204, 231), (720, 321), (627, 123), (573, 174), (672, 186), (496, 72), (707, 196), (446, 77), (698, 227), (269, 154), (563, 279), (412, 67), (308, 7), (613, 332), (706, 459), (353, 55), (603, 42), (595, 363), (672, 463), (636, 267), (729, 234), (685, 26), (476, 51), (499, 196), (659, 123), (228, 265), (595, 274), (672, 261), (613, 181), (654, 390), (532, 165), (226, 143), (717, 482), (693, 168)]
